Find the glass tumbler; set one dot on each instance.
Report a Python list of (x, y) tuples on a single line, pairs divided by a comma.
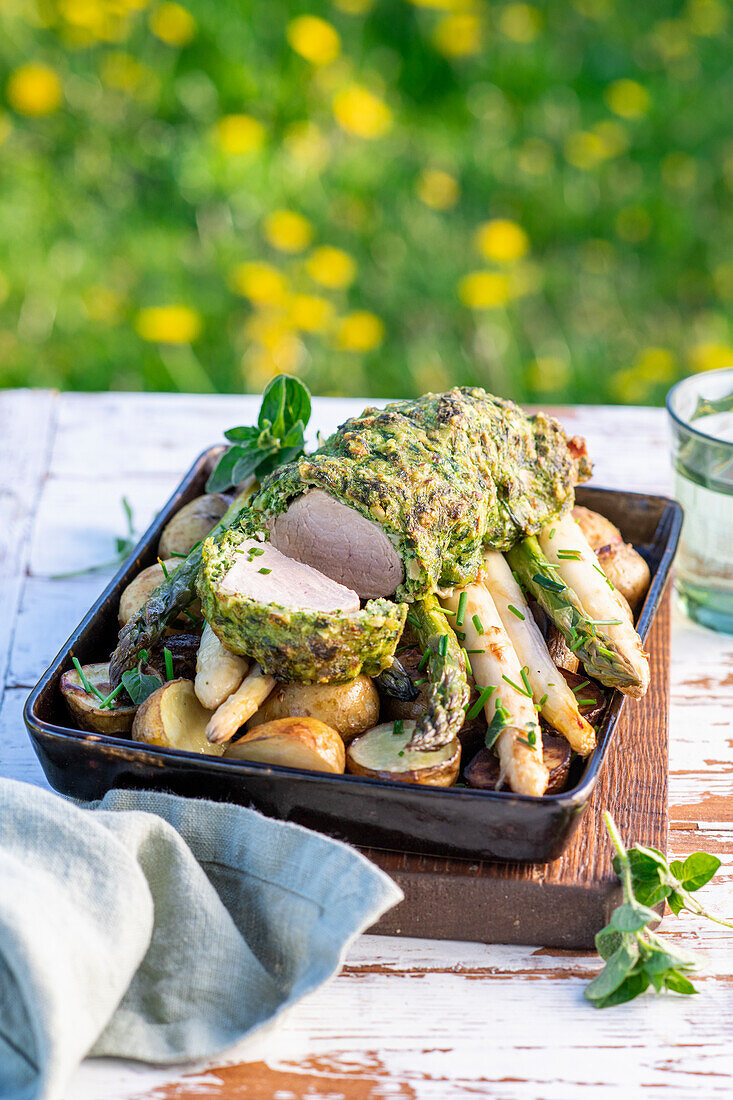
[(701, 414)]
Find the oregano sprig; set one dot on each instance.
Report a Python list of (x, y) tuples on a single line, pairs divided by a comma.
[(635, 957), (278, 436)]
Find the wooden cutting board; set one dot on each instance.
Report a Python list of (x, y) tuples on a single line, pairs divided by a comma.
[(563, 903)]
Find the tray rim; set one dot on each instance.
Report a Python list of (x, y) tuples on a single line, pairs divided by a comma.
[(574, 798)]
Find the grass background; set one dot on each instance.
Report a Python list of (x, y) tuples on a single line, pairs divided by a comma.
[(382, 197)]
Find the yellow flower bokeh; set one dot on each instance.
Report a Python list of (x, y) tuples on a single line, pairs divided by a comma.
[(520, 22), (627, 98), (34, 90), (331, 267), (172, 24), (287, 231), (314, 39), (458, 35), (711, 356), (484, 290), (310, 313), (174, 324), (358, 111), (239, 134), (438, 189), (706, 17), (548, 373), (502, 241), (360, 331), (262, 283)]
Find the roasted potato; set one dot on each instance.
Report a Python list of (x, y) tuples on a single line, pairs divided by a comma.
[(173, 718), (138, 590), (348, 708), (292, 743), (598, 530), (85, 708), (626, 570), (191, 524), (483, 771), (382, 753)]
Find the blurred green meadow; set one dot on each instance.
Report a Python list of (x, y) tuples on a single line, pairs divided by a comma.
[(381, 197)]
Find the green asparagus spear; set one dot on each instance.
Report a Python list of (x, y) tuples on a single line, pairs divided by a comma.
[(168, 600), (600, 657), (445, 713)]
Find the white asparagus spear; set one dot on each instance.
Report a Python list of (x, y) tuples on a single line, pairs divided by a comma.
[(520, 762), (578, 566), (219, 672), (560, 706), (239, 707)]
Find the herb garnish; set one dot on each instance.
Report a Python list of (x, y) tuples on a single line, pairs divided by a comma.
[(497, 724), (462, 601), (569, 555), (478, 625), (635, 957), (469, 669), (278, 437), (138, 684), (264, 570), (484, 696), (548, 583), (515, 611), (580, 686), (168, 658), (398, 727), (443, 645), (521, 690)]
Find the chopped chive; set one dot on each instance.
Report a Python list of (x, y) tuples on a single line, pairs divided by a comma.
[(442, 645), (515, 611), (446, 611), (548, 582), (524, 741), (469, 670), (264, 570), (531, 737), (569, 555), (423, 661), (177, 554), (587, 702), (576, 644), (543, 700), (462, 601), (89, 688), (473, 651), (413, 621), (580, 686), (484, 696), (605, 622), (606, 579), (107, 703), (525, 679), (168, 658), (461, 635), (478, 624), (552, 533), (255, 551), (516, 686), (398, 727), (162, 566), (401, 752), (606, 652), (418, 683), (190, 615)]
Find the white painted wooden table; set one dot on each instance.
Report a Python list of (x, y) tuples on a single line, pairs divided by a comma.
[(406, 1018)]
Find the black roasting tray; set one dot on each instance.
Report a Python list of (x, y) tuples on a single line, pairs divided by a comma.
[(467, 823)]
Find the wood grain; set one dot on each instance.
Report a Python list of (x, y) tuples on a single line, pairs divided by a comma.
[(563, 903)]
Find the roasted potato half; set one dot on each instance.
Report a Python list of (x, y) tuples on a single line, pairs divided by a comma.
[(191, 524), (173, 718), (598, 530), (626, 570), (292, 743), (139, 590), (382, 753), (85, 708), (348, 708)]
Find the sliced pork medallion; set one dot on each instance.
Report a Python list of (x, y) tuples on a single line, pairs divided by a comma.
[(296, 622), (337, 540)]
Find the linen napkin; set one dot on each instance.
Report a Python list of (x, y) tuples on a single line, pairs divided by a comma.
[(159, 928)]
